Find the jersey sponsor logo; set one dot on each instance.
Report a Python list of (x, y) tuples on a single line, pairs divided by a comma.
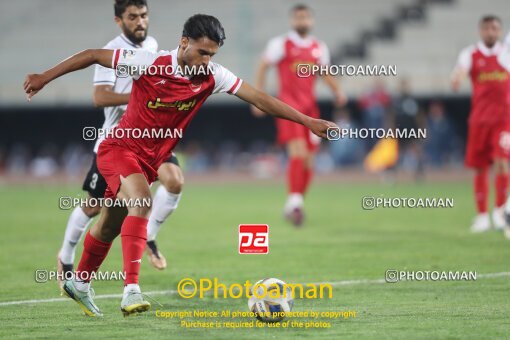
[(253, 239), (161, 82), (493, 76), (180, 105)]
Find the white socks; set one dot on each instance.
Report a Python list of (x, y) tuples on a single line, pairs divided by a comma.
[(82, 286), (294, 200), (164, 204), (132, 287), (76, 226)]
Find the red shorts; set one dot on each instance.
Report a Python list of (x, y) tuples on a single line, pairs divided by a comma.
[(287, 130), (487, 142), (114, 161)]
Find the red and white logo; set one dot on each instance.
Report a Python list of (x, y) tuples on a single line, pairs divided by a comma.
[(195, 87), (253, 239)]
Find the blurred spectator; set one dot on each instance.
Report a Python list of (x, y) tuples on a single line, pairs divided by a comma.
[(45, 164), (18, 159), (440, 135), (374, 107), (75, 160), (226, 156), (193, 158), (324, 162), (345, 151), (3, 159), (407, 115)]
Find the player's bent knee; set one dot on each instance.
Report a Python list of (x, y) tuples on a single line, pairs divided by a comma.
[(91, 211), (140, 211), (104, 232), (171, 177), (174, 184)]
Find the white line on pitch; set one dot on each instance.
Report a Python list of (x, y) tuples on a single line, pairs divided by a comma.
[(173, 292)]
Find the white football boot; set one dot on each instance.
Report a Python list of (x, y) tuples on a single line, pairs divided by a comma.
[(498, 218), (481, 223)]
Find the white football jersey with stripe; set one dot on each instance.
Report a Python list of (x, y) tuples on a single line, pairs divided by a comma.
[(106, 76)]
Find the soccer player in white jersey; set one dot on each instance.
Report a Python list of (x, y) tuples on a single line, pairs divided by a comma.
[(113, 93)]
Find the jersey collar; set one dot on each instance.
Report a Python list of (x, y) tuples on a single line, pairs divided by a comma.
[(123, 37), (299, 41), (486, 51)]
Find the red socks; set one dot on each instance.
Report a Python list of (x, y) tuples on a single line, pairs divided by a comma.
[(134, 238), (296, 175), (94, 253), (308, 178), (501, 183), (481, 190)]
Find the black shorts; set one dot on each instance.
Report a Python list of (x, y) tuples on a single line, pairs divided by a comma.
[(95, 183)]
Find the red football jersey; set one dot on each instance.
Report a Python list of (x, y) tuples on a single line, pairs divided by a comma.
[(165, 100), (490, 100), (288, 51)]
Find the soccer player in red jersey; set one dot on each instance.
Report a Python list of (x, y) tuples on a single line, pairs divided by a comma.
[(112, 93), (160, 100), (489, 121), (288, 52)]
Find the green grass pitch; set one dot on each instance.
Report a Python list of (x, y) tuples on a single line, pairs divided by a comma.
[(340, 242)]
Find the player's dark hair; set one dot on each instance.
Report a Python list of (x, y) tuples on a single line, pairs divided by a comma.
[(120, 6), (300, 7), (201, 25), (489, 18)]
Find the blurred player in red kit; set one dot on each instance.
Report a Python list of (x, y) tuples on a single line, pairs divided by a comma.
[(166, 99), (286, 52), (489, 121)]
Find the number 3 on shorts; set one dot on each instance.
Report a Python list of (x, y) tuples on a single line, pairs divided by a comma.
[(93, 182)]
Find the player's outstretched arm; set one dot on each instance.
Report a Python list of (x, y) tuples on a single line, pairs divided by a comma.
[(105, 96), (35, 82), (458, 76), (260, 83), (340, 97), (279, 109)]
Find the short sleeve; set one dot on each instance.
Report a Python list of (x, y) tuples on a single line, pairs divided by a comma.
[(104, 76), (465, 59), (324, 58), (123, 58), (274, 51), (504, 57), (225, 81), (507, 39)]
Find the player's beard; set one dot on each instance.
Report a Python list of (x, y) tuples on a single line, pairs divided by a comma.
[(490, 43), (302, 30), (133, 37)]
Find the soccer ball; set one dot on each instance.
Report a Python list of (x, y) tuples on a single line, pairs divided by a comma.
[(269, 299)]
